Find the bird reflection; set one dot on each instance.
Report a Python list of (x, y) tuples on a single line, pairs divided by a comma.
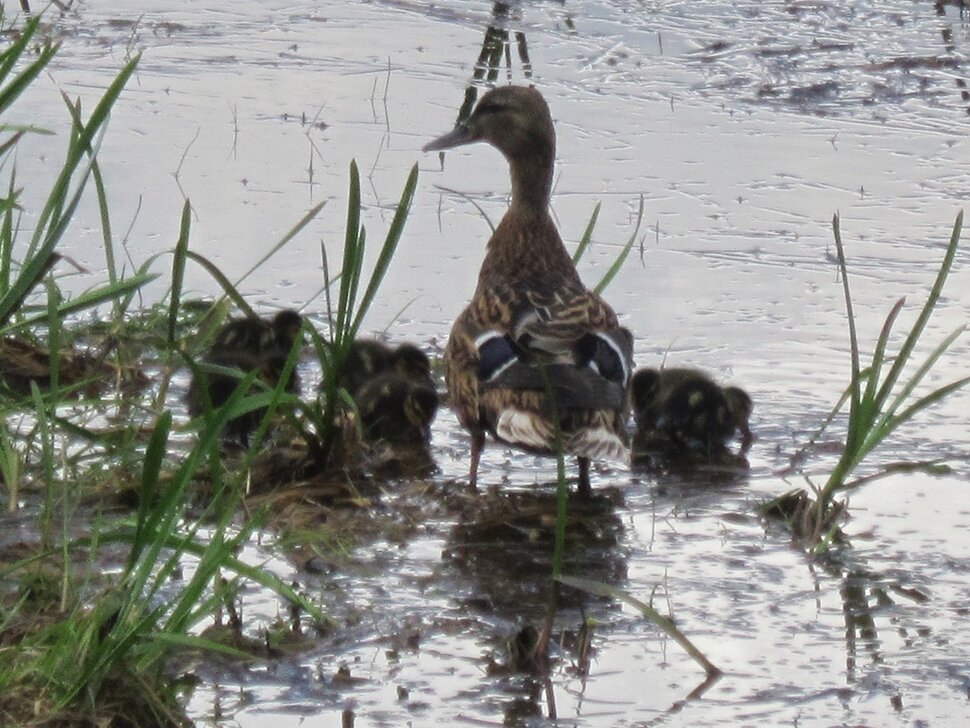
[(496, 47), (950, 45), (504, 542)]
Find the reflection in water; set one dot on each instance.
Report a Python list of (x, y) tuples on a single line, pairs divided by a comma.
[(504, 543), (830, 58), (949, 44), (495, 46), (866, 596), (502, 546)]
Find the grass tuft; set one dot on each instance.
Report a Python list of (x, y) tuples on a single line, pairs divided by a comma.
[(879, 403)]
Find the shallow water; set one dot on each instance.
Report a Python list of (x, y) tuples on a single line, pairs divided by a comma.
[(744, 126)]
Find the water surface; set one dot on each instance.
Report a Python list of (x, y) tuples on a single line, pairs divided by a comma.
[(744, 127)]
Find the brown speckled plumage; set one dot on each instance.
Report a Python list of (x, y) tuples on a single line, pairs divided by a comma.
[(530, 295), (689, 411), (246, 344), (394, 392)]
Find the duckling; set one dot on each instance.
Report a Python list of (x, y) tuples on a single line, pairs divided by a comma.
[(532, 326), (689, 409), (245, 344), (393, 390), (366, 358), (410, 362), (396, 410), (79, 373)]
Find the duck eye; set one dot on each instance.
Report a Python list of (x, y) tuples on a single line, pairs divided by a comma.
[(488, 107)]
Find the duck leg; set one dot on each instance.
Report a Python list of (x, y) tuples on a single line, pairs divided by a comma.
[(478, 442), (585, 490)]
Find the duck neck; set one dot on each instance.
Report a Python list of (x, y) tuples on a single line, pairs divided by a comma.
[(532, 181)]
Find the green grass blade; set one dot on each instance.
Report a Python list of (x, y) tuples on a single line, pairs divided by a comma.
[(277, 396), (587, 234), (471, 200), (30, 275), (7, 234), (109, 250), (907, 348), (86, 300), (388, 249), (10, 143), (922, 403), (13, 89), (55, 215), (228, 288), (81, 145), (54, 330), (666, 625), (353, 253), (918, 376), (855, 394), (284, 241), (154, 455), (621, 258), (178, 270), (879, 354)]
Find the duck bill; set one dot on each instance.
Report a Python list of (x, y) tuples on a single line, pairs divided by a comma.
[(461, 134)]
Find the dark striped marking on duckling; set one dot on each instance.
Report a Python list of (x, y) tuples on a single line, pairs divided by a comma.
[(396, 409)]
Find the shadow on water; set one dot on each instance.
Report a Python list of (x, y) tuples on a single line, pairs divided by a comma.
[(869, 598), (497, 562), (503, 545)]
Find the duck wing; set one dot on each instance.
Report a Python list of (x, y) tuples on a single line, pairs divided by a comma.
[(511, 348)]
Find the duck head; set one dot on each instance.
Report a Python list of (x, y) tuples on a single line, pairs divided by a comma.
[(513, 119), (516, 121)]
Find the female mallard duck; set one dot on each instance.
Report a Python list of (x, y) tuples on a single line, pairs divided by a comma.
[(246, 344), (532, 327), (393, 390), (689, 409)]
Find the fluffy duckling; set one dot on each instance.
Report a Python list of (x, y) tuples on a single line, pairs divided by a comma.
[(246, 344), (393, 389), (532, 326), (396, 410), (688, 408), (366, 358)]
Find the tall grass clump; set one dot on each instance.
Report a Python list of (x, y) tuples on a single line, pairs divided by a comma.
[(348, 296), (78, 647), (107, 661), (880, 401), (34, 343), (346, 315)]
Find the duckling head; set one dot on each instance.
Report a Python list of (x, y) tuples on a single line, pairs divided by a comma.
[(420, 407), (740, 404), (412, 363), (286, 327), (513, 119), (644, 390)]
